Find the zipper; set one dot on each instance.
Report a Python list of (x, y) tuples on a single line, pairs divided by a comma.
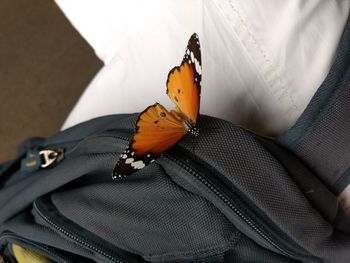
[(48, 251), (70, 235), (52, 154), (220, 194), (203, 180), (211, 186)]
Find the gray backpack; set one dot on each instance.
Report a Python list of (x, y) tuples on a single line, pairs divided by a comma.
[(226, 196)]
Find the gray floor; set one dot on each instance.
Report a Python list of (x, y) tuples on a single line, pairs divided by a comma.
[(44, 67)]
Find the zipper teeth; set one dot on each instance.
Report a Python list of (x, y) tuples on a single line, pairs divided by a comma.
[(231, 205), (76, 143), (65, 232), (202, 180), (43, 248)]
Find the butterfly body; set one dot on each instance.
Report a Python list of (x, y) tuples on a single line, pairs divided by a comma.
[(158, 129), (191, 128)]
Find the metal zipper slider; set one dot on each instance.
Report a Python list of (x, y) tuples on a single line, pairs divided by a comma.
[(48, 157), (41, 159)]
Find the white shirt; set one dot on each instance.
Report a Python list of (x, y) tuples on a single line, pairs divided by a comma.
[(262, 61)]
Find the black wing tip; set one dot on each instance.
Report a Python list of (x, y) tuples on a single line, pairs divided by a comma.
[(118, 177), (194, 39), (193, 44), (118, 173), (121, 169), (194, 36)]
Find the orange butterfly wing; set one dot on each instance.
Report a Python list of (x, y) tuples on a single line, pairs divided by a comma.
[(184, 82), (183, 91), (157, 130)]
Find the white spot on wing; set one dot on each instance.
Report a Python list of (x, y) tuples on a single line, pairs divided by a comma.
[(124, 156), (192, 56), (138, 165), (198, 67), (129, 160)]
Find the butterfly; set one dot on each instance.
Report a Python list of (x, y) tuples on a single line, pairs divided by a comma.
[(158, 129)]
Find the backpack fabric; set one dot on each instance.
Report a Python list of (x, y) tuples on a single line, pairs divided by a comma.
[(227, 195)]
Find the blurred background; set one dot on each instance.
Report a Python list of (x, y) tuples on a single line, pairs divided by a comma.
[(44, 67)]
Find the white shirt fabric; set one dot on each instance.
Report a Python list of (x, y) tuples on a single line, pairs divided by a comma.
[(262, 61)]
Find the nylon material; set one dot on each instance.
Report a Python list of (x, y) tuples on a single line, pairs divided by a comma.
[(45, 181), (32, 186), (264, 181), (329, 135), (248, 251), (92, 145), (192, 185), (220, 143), (23, 225), (149, 215)]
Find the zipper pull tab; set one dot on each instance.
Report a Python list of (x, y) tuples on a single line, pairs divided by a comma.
[(41, 159), (50, 156)]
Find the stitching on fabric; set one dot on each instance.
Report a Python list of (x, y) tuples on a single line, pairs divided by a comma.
[(266, 58), (230, 243), (188, 255), (203, 252)]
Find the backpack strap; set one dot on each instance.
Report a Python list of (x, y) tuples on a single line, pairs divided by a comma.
[(321, 135)]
